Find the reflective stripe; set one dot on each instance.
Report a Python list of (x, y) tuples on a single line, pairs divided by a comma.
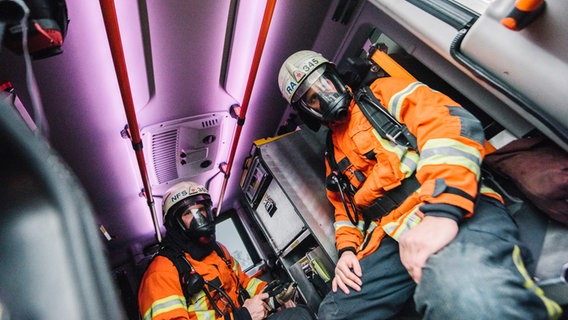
[(490, 192), (165, 305), (253, 285), (347, 224), (372, 226), (396, 101), (405, 223), (236, 266), (200, 307), (205, 315), (408, 159), (453, 152), (553, 309), (409, 163)]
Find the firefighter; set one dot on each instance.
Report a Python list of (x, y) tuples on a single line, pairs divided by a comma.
[(412, 222), (194, 277)]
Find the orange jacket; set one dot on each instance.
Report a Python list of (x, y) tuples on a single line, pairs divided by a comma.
[(161, 297), (451, 148)]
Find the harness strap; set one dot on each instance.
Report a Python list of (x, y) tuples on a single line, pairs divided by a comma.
[(183, 267), (391, 200), (384, 123), (388, 127), (343, 164), (243, 293), (192, 282)]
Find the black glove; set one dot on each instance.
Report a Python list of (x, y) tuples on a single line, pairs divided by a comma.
[(280, 292)]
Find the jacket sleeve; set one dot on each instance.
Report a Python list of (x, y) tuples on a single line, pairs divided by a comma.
[(450, 142), (160, 295)]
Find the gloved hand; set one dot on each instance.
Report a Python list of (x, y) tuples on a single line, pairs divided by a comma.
[(280, 292), (287, 293)]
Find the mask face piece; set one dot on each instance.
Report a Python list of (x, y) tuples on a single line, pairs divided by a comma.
[(202, 226), (324, 96)]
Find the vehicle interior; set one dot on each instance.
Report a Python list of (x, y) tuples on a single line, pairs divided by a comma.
[(106, 104)]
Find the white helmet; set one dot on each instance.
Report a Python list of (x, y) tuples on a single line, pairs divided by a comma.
[(181, 191), (312, 85), (295, 70)]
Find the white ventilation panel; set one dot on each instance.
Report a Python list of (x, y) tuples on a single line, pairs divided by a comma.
[(185, 148)]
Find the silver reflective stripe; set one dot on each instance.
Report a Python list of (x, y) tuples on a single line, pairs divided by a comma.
[(347, 224), (448, 151), (164, 305), (408, 159), (396, 101)]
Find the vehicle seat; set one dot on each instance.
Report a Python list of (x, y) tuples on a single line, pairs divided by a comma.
[(52, 261), (547, 240)]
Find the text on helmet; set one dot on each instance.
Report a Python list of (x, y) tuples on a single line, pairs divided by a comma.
[(178, 195), (301, 72)]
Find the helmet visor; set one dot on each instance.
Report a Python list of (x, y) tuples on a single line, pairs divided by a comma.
[(322, 94), (201, 215), (308, 83)]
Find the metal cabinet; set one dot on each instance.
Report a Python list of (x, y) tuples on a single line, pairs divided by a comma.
[(284, 188)]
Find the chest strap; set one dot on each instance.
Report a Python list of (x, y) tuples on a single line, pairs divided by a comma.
[(384, 123), (391, 200)]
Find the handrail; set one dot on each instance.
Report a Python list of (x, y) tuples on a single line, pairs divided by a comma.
[(265, 26), (117, 51)]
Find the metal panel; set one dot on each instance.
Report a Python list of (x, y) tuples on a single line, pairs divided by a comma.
[(278, 217), (296, 162)]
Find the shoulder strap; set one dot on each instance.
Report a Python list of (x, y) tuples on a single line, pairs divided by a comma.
[(384, 123), (243, 294), (329, 152), (221, 253), (183, 267)]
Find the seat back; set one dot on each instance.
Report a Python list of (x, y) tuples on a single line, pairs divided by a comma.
[(52, 263)]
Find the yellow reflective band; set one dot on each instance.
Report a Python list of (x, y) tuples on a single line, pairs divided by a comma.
[(489, 191), (396, 101), (372, 226), (205, 315), (408, 159), (236, 267), (165, 305), (409, 163), (253, 285), (405, 223), (553, 309), (200, 307), (347, 224), (389, 145), (448, 151)]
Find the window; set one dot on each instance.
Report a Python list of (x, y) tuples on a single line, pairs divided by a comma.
[(232, 234)]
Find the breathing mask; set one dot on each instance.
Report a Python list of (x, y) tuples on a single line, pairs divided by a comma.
[(202, 226), (323, 95)]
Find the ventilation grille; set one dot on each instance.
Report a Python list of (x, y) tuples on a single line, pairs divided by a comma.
[(186, 148), (164, 146), (210, 123)]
